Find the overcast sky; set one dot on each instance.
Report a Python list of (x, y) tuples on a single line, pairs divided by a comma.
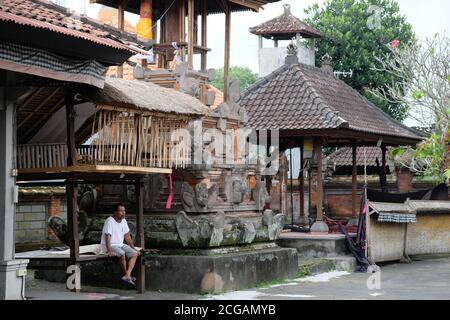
[(427, 17)]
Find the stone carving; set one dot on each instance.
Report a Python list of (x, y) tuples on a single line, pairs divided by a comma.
[(249, 232), (61, 230), (274, 224), (231, 108), (260, 195), (88, 199), (201, 199), (239, 190), (187, 228), (206, 232), (217, 232)]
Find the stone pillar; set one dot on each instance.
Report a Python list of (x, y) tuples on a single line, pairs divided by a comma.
[(319, 226), (12, 272)]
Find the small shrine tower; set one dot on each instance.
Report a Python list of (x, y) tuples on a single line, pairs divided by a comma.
[(284, 27)]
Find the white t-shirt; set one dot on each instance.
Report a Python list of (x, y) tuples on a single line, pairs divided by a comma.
[(116, 230)]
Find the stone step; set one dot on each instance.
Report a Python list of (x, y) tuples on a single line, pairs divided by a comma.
[(313, 266)]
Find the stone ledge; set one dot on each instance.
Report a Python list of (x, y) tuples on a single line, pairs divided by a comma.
[(220, 273)]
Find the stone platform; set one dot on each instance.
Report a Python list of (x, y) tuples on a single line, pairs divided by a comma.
[(314, 245), (220, 270), (197, 271)]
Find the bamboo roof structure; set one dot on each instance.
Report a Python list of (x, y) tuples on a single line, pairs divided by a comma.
[(144, 96)]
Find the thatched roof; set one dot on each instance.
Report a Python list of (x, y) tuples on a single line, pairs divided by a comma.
[(141, 95)]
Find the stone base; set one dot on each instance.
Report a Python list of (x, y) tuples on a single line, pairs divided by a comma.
[(216, 271), (11, 283), (320, 227), (196, 271), (314, 246)]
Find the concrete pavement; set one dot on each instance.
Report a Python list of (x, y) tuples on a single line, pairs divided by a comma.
[(422, 279)]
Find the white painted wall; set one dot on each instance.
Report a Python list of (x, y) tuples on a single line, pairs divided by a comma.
[(271, 59)]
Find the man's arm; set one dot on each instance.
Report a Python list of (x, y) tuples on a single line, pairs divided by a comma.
[(129, 240), (108, 245)]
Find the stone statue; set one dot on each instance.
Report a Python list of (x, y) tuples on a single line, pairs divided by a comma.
[(239, 190), (61, 230), (206, 231), (275, 224), (260, 195), (199, 200)]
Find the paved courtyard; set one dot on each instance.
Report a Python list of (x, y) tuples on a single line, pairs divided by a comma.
[(422, 279)]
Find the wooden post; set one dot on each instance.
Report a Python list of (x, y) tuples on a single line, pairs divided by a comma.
[(140, 240), (182, 27), (318, 147), (383, 160), (301, 185), (71, 188), (191, 23), (354, 180), (226, 67), (121, 26), (70, 122), (72, 222), (204, 35)]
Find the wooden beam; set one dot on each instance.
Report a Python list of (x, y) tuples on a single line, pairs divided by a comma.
[(204, 35), (182, 26), (70, 123), (140, 240), (191, 37), (121, 25), (318, 147), (226, 67), (354, 180), (42, 121), (29, 99), (254, 5), (383, 160), (39, 107)]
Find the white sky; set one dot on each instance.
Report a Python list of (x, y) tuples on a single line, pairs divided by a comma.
[(427, 17)]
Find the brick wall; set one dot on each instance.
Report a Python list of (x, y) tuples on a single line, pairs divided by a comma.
[(32, 218), (31, 222)]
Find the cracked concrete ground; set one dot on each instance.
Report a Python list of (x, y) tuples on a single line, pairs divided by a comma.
[(422, 279)]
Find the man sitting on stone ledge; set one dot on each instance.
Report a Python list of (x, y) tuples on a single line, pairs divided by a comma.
[(115, 231)]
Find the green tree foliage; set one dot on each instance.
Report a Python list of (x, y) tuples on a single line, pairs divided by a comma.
[(245, 75), (355, 33), (427, 160)]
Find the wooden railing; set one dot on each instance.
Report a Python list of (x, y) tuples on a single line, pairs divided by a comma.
[(37, 156)]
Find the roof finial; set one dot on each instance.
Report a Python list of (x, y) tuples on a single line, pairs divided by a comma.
[(292, 53), (287, 9), (326, 63)]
